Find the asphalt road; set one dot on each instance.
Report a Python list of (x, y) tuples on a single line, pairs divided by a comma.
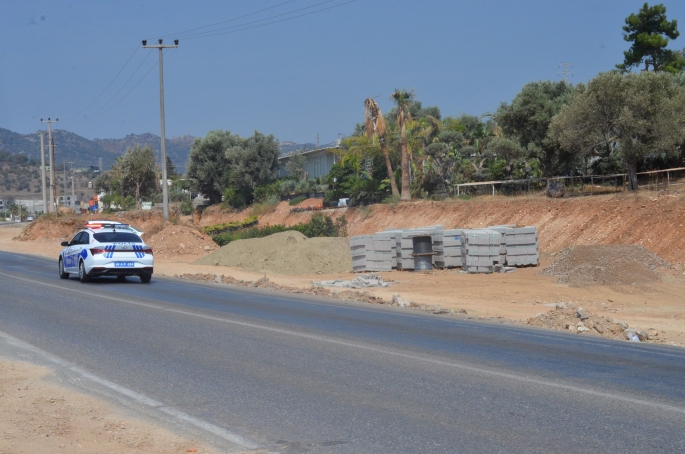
[(286, 373)]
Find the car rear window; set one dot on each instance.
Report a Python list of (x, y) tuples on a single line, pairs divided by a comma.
[(117, 237)]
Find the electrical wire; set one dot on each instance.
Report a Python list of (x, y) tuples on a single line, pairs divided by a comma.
[(271, 23), (255, 21), (117, 92), (108, 85), (225, 21)]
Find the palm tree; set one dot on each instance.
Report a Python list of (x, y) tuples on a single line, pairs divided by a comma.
[(403, 98), (14, 209), (375, 125), (23, 212)]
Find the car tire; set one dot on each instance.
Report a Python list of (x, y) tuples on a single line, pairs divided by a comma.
[(82, 275), (62, 274), (145, 278)]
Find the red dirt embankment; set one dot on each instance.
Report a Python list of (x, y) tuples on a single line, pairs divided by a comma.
[(655, 222)]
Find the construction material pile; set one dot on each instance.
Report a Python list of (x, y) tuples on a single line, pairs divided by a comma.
[(288, 252), (610, 264), (359, 282), (173, 241), (495, 249)]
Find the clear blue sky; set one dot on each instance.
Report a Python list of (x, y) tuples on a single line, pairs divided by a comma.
[(298, 77)]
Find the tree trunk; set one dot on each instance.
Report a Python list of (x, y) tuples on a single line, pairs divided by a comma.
[(632, 175), (406, 194), (388, 164)]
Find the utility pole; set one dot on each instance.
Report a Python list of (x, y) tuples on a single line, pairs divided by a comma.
[(42, 171), (565, 70), (64, 176), (161, 47), (73, 200), (51, 145)]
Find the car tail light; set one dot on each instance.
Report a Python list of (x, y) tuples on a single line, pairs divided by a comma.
[(97, 251), (147, 250)]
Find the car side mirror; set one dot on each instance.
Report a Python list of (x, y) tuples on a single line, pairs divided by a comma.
[(64, 243)]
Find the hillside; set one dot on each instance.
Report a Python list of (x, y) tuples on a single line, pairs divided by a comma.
[(84, 152)]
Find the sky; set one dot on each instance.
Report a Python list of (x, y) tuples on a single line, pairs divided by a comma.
[(295, 78)]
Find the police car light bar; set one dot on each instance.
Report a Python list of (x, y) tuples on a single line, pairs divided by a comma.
[(100, 225)]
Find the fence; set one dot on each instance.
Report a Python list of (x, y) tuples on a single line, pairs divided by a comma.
[(654, 180)]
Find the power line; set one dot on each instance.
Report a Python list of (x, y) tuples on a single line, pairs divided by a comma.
[(108, 85), (229, 20), (254, 21), (117, 92)]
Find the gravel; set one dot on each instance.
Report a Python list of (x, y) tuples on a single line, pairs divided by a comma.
[(606, 265)]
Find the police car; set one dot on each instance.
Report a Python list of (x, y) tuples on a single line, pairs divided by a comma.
[(106, 249)]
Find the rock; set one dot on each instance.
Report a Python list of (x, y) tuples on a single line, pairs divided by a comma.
[(570, 327), (583, 329), (398, 301), (207, 248), (599, 329), (462, 311), (582, 314), (622, 325), (181, 245), (560, 306), (217, 279), (631, 334), (643, 336), (555, 189), (441, 311)]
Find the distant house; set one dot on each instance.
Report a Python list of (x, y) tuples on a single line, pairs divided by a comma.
[(319, 162)]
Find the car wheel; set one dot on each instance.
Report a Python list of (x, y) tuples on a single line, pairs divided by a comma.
[(82, 275), (145, 278), (121, 278), (62, 274)]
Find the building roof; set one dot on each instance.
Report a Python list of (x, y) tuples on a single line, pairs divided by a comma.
[(309, 152)]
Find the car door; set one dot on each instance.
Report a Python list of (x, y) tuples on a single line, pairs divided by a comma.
[(71, 259)]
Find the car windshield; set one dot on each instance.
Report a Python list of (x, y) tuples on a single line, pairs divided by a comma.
[(117, 237)]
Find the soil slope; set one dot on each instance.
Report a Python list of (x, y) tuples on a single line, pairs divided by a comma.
[(647, 219)]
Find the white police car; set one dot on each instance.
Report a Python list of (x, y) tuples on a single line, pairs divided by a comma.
[(106, 249)]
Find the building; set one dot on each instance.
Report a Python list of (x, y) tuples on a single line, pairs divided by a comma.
[(319, 162)]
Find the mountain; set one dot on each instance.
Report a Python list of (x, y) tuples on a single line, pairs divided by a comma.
[(84, 152)]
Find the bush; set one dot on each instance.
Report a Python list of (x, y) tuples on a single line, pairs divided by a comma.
[(298, 199), (186, 207), (266, 206), (230, 226), (318, 226), (266, 191)]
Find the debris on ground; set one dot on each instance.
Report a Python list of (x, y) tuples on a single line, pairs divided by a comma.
[(289, 252), (567, 317), (610, 264), (361, 281)]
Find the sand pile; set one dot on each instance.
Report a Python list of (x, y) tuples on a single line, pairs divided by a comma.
[(288, 252), (606, 265), (175, 240)]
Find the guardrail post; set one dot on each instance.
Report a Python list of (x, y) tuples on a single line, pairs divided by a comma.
[(493, 190), (668, 178)]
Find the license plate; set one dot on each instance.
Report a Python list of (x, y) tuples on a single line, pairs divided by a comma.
[(124, 264)]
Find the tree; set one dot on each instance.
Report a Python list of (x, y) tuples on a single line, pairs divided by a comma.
[(633, 115), (528, 117), (208, 166), (375, 126), (649, 31), (295, 165), (402, 100), (253, 161), (171, 171), (138, 172)]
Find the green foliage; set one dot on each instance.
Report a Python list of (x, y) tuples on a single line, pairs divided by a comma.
[(137, 173), (186, 207), (391, 200), (296, 200), (208, 166), (253, 162), (266, 206), (528, 117), (318, 226), (235, 225), (631, 115), (295, 165), (649, 31), (266, 191)]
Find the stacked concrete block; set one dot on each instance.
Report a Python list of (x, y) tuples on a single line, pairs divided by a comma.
[(405, 245), (371, 253), (447, 248), (481, 250), (522, 246), (392, 234)]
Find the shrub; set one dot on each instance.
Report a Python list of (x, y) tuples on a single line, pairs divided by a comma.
[(229, 226), (298, 199), (186, 207)]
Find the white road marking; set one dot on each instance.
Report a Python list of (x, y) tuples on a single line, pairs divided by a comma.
[(134, 396), (385, 351)]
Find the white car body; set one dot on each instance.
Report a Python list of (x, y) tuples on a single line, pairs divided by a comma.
[(106, 249)]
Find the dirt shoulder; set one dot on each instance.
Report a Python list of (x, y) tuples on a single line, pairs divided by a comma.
[(38, 416)]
